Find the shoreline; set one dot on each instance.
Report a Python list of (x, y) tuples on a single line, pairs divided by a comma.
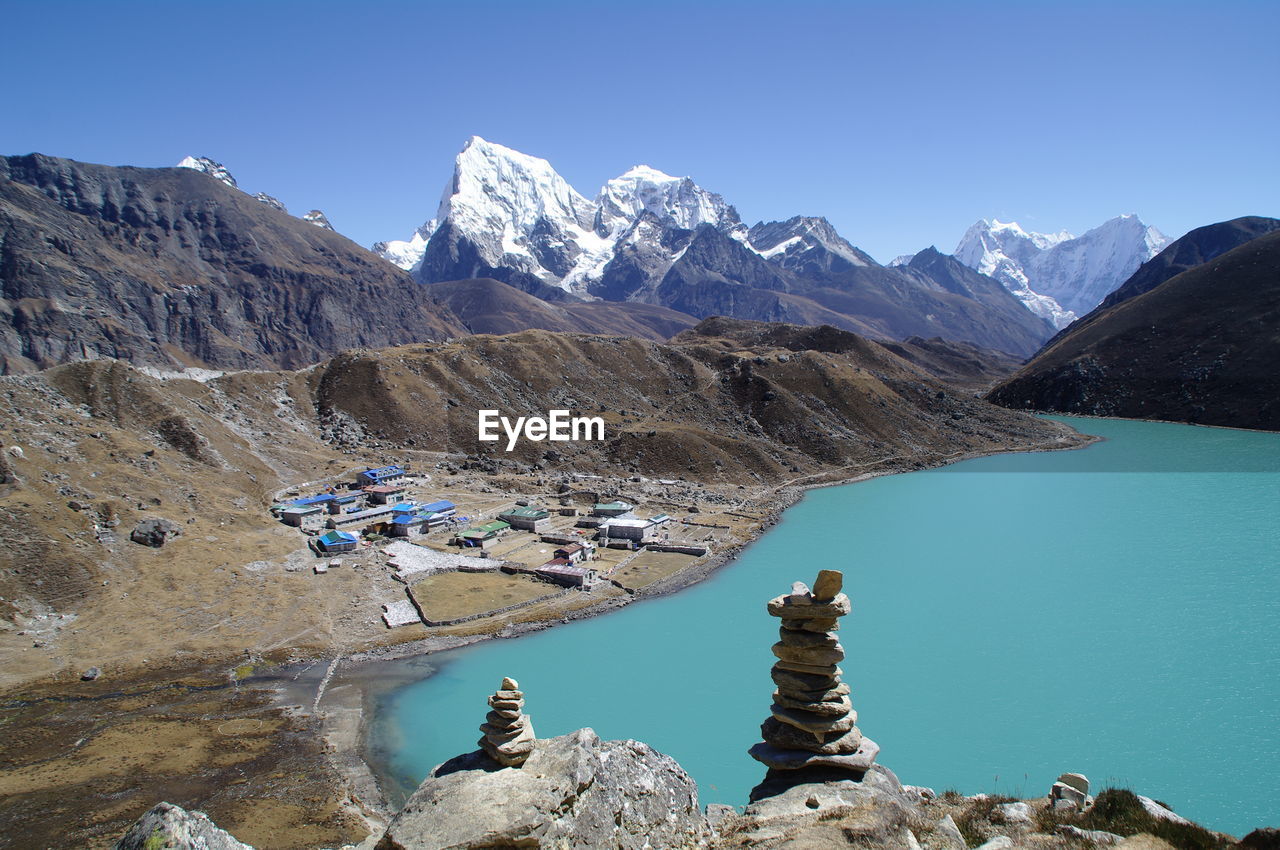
[(344, 721)]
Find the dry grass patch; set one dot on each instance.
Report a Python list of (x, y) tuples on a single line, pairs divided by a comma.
[(652, 567), (451, 596)]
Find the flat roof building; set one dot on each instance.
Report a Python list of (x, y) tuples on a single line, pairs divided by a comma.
[(304, 516), (359, 517), (561, 572), (382, 494), (381, 475), (614, 508), (527, 518), (628, 528)]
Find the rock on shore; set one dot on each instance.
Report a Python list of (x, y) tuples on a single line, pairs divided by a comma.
[(574, 791)]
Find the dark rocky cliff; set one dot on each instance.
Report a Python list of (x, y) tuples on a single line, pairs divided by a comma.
[(171, 267)]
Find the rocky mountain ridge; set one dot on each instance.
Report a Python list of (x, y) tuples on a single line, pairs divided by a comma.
[(652, 238), (170, 268), (220, 172)]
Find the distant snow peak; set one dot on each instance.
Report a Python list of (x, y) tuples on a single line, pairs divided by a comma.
[(216, 170), (676, 201), (806, 242), (1058, 275), (519, 214), (318, 219)]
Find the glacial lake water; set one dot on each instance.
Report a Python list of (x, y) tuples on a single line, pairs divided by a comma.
[(1111, 611)]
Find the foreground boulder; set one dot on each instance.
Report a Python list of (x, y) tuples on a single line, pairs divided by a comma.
[(874, 812), (169, 827), (572, 791)]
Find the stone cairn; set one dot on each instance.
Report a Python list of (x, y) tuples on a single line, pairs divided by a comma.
[(508, 732), (812, 722)]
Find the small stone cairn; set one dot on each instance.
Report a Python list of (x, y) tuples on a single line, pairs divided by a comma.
[(812, 722), (508, 732)]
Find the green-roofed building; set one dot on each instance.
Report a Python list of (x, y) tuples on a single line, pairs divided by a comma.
[(480, 535), (615, 508), (526, 518)]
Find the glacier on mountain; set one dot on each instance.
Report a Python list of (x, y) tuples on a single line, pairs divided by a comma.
[(1057, 275)]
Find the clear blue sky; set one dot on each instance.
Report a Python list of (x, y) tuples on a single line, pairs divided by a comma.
[(901, 122)]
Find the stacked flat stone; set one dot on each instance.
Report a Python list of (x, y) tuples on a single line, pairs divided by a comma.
[(508, 731), (812, 722)]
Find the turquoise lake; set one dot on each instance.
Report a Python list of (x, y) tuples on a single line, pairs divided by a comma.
[(1110, 611)]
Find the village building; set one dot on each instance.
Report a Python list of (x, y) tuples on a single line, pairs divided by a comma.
[(384, 494), (406, 525), (442, 509), (305, 517), (625, 528), (577, 552), (382, 475), (526, 518), (360, 518), (614, 508), (337, 541), (562, 572), (344, 502), (484, 534)]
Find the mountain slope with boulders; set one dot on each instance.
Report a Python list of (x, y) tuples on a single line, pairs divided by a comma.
[(171, 267), (1202, 347), (655, 239)]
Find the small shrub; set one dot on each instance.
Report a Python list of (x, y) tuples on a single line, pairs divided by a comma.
[(1120, 811), (974, 821)]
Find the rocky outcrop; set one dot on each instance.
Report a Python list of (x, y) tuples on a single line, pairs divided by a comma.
[(812, 720), (169, 827), (508, 731), (875, 812), (574, 791), (155, 531)]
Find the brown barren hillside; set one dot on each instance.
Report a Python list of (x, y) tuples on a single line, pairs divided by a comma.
[(488, 306), (1201, 347)]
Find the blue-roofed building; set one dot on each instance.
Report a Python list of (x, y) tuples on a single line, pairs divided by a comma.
[(404, 525), (443, 507), (372, 477), (318, 499), (346, 501), (404, 508), (337, 541)]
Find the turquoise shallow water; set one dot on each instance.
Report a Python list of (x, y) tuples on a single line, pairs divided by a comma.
[(1110, 611)]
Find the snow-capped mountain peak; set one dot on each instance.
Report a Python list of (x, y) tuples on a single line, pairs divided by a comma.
[(806, 242), (492, 180), (677, 201), (216, 170), (518, 213), (1058, 275)]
